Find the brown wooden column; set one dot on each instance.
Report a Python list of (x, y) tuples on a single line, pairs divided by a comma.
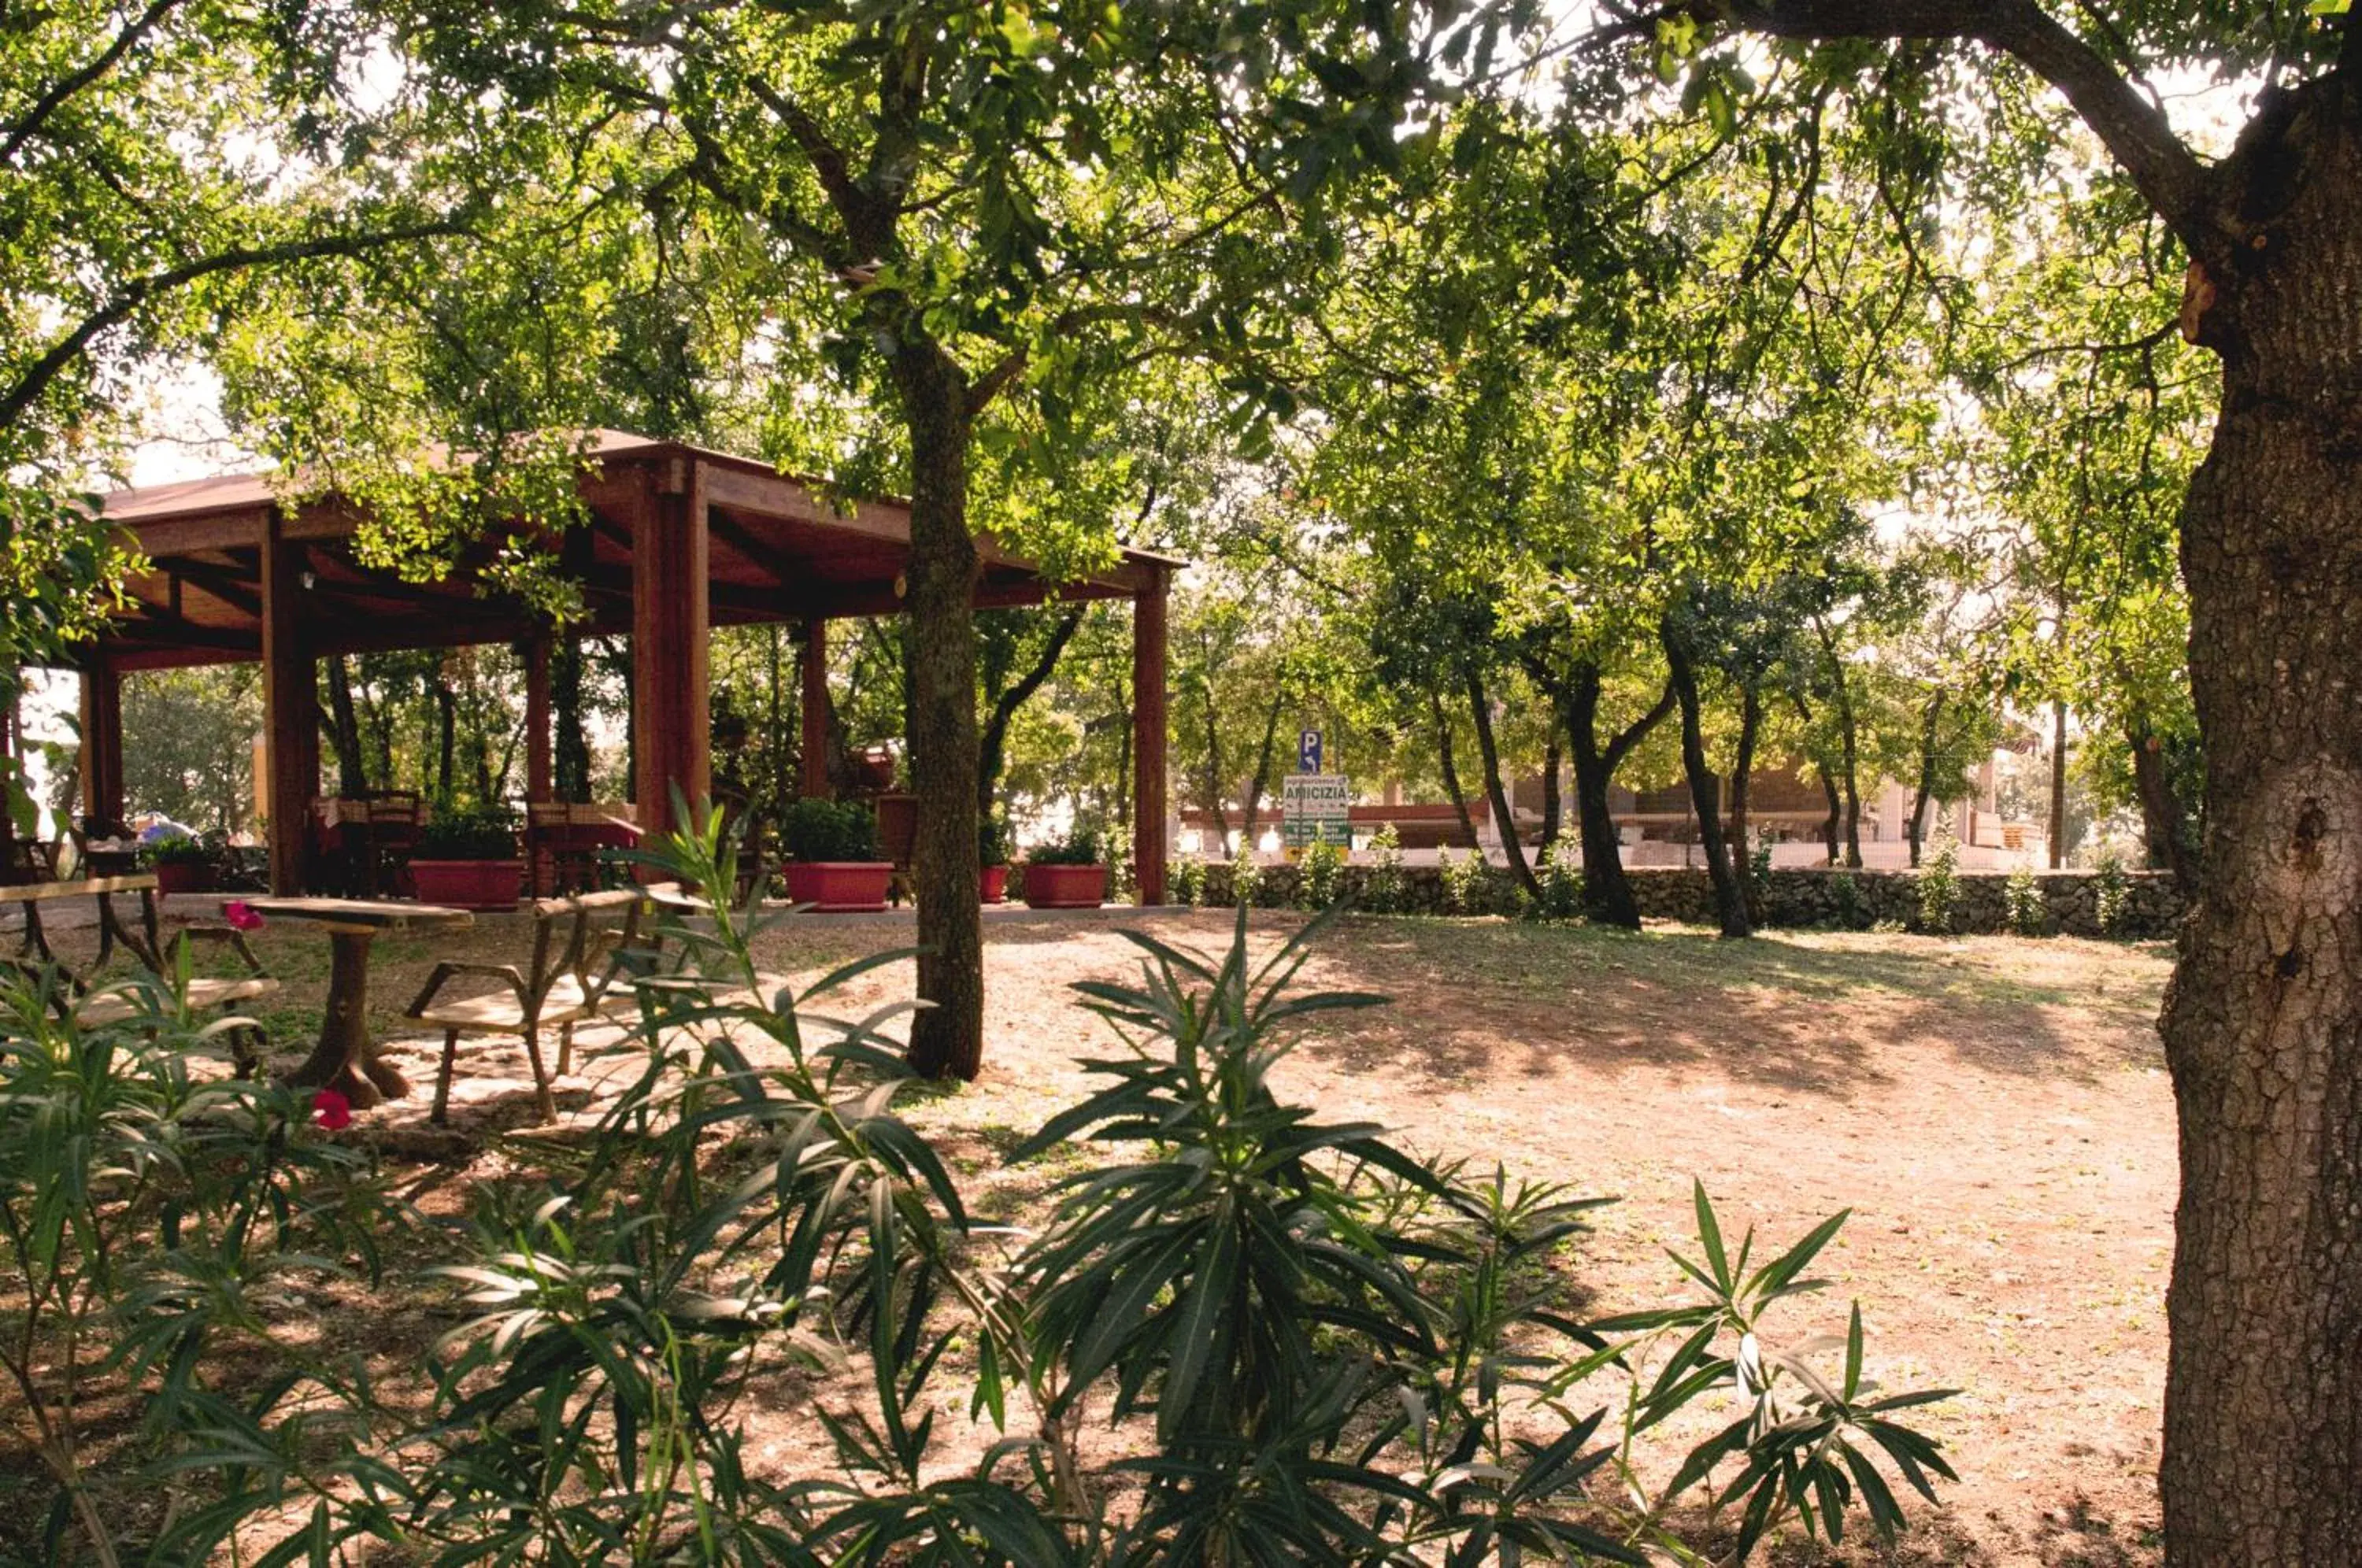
[(812, 738), (672, 744), (290, 709), (1148, 739), (539, 773), (102, 743)]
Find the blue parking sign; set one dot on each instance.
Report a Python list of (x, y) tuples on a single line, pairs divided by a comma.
[(1307, 751)]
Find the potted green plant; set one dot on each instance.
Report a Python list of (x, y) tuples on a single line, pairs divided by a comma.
[(467, 858), (992, 857), (183, 865), (1070, 873), (833, 861)]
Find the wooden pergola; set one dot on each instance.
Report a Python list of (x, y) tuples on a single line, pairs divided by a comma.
[(680, 539)]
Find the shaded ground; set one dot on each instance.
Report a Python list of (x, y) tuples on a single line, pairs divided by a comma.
[(1995, 1111)]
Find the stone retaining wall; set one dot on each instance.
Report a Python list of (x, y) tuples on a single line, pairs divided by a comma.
[(1816, 897)]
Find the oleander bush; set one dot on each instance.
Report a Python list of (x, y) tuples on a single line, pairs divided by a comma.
[(1240, 1334)]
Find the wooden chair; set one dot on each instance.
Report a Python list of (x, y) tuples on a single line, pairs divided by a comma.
[(582, 945), (565, 841)]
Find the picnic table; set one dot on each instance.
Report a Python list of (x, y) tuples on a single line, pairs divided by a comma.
[(347, 1060)]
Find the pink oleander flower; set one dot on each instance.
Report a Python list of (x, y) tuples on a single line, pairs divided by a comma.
[(241, 915), (331, 1109)]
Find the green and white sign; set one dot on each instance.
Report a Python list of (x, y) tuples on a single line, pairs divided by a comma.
[(1315, 808)]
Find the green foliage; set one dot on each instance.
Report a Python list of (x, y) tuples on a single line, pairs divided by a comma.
[(992, 839), (1081, 846), (819, 830), (1185, 881), (1759, 868), (454, 832), (1467, 882), (1940, 889), (2023, 906), (2111, 895), (1851, 909), (1559, 873), (1383, 890), (1320, 876), (178, 849), (159, 1222), (1246, 879)]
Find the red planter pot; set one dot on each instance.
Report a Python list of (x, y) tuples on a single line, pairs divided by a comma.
[(487, 886), (183, 876), (1066, 886), (840, 886), (992, 884)]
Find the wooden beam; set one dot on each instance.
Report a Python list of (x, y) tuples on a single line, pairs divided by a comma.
[(811, 732), (290, 712), (1149, 730), (101, 745), (672, 739)]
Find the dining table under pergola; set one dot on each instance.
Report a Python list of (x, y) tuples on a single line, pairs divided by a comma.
[(679, 539)]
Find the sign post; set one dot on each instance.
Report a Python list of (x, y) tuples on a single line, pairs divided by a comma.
[(1316, 808)]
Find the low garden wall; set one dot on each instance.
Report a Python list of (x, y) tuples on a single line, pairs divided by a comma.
[(1818, 897)]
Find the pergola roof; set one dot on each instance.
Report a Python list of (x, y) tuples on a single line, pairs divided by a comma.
[(776, 549)]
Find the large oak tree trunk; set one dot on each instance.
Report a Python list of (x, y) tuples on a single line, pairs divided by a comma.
[(2263, 1025), (1606, 891), (947, 1036)]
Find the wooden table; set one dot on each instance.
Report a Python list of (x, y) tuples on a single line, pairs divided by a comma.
[(347, 1060)]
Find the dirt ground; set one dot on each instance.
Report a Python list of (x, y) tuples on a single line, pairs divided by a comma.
[(1994, 1111)]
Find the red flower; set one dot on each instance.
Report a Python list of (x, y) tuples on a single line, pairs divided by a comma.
[(241, 916), (332, 1109)]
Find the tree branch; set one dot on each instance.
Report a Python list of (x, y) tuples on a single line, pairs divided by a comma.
[(139, 291), (2135, 129), (67, 86)]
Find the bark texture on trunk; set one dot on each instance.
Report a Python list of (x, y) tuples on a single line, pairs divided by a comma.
[(1742, 858), (947, 1036), (1606, 891), (1705, 790), (1553, 756), (2263, 1023), (1449, 764), (2164, 820), (2058, 825), (1480, 706)]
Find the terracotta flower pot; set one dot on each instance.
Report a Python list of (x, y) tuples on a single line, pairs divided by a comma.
[(992, 884), (840, 886), (1066, 886), (487, 886), (183, 876)]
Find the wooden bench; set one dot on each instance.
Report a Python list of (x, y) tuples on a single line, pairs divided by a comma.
[(89, 1005), (580, 946)]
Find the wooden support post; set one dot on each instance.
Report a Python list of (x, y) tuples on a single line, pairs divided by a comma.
[(101, 745), (811, 737), (290, 709), (1148, 739), (539, 773), (672, 747)]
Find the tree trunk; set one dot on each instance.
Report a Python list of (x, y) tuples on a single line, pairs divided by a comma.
[(1830, 828), (1705, 789), (1606, 891), (992, 745), (1552, 756), (1930, 721), (1742, 864), (1253, 794), (1848, 747), (2263, 1022), (447, 736), (1450, 767), (1481, 708), (571, 748), (345, 730), (947, 1036), (1215, 775), (2164, 821), (2058, 785)]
